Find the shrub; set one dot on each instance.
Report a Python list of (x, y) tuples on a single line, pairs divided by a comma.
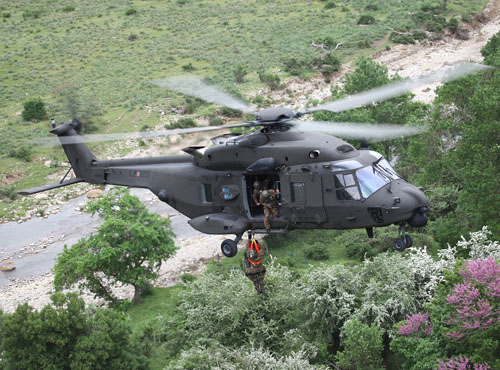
[(215, 356), (363, 44), (21, 151), (453, 24), (330, 5), (6, 15), (239, 73), (328, 64), (130, 11), (419, 35), (272, 80), (182, 123), (188, 67), (213, 120), (316, 251), (133, 37), (229, 112), (401, 38), (68, 8), (362, 347), (371, 7), (32, 13), (294, 66), (366, 19), (8, 191), (34, 110)]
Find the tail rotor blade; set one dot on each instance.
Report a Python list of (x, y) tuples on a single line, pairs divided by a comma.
[(195, 87)]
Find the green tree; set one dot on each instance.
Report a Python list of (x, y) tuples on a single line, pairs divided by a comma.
[(64, 335), (34, 110), (362, 347), (128, 247)]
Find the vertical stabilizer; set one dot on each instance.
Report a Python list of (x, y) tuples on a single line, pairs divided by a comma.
[(78, 153)]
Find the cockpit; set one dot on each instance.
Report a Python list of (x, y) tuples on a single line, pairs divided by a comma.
[(355, 180)]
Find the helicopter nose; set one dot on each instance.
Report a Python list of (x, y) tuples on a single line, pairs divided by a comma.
[(420, 206)]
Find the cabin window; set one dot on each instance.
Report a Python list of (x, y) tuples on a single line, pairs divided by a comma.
[(298, 192), (346, 187), (207, 193)]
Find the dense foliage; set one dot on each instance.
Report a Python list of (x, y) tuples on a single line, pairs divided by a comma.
[(342, 315), (128, 248), (66, 335)]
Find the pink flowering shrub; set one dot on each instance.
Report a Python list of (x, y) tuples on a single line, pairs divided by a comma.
[(461, 363), (461, 326), (476, 301), (416, 324)]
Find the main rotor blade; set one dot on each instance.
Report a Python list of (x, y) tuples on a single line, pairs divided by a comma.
[(193, 86), (55, 141), (371, 132), (399, 88)]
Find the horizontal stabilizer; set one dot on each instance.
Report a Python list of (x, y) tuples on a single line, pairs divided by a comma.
[(50, 186)]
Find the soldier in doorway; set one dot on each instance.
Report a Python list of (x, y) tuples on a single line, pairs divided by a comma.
[(257, 188), (254, 268)]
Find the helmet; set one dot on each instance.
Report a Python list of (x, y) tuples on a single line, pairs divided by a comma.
[(257, 185)]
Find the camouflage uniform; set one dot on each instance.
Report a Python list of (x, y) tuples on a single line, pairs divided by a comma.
[(255, 270), (268, 199)]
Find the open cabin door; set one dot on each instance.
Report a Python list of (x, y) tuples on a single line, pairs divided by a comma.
[(302, 198)]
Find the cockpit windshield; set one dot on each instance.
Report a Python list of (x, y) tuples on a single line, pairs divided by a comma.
[(369, 178), (372, 178)]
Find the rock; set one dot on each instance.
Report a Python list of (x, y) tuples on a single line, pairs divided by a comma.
[(174, 139), (94, 194), (7, 266)]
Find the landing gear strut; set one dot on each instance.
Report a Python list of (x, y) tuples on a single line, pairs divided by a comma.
[(229, 247), (403, 241)]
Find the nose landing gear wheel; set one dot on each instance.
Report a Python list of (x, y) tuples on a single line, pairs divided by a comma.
[(229, 248)]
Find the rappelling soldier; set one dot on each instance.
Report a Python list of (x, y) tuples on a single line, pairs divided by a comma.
[(269, 200), (254, 268)]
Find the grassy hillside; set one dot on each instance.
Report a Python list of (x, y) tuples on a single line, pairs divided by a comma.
[(109, 49)]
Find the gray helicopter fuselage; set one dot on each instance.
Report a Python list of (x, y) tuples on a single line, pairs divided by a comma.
[(324, 182)]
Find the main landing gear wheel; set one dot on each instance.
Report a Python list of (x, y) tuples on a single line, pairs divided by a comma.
[(229, 248), (399, 244), (409, 241)]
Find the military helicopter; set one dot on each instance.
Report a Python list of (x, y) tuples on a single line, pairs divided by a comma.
[(323, 181)]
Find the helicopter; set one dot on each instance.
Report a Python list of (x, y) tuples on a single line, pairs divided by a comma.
[(323, 181)]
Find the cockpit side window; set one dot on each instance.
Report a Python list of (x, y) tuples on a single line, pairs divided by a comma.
[(346, 187)]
